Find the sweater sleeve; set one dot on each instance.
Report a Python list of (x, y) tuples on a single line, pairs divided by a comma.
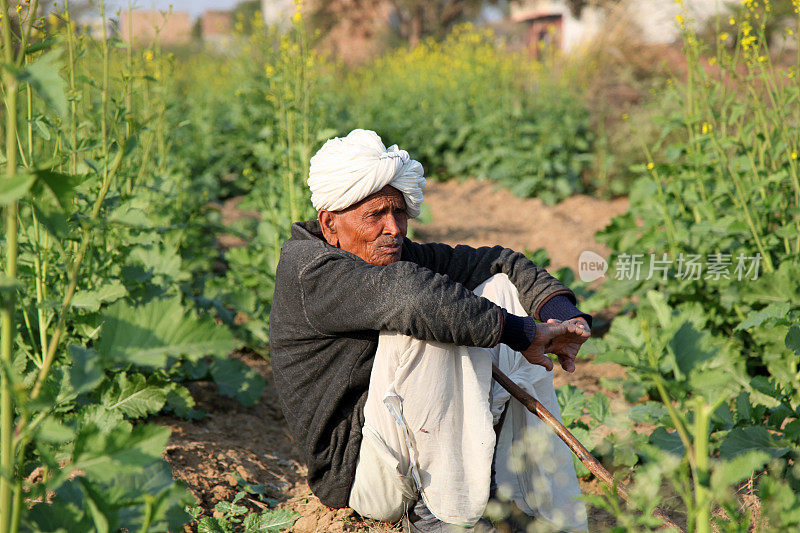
[(561, 308), (341, 293), (472, 266)]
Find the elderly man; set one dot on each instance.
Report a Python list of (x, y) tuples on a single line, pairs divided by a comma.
[(382, 351)]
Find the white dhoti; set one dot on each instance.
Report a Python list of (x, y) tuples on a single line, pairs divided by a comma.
[(428, 429)]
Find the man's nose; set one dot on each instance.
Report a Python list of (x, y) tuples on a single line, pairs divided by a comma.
[(391, 226)]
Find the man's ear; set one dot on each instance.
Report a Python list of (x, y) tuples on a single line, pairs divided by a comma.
[(327, 221)]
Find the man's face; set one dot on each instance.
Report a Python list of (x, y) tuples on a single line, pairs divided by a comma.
[(373, 229)]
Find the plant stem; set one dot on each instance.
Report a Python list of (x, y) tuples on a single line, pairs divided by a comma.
[(7, 329), (73, 124), (701, 481)]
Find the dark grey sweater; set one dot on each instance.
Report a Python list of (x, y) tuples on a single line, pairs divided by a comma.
[(328, 308)]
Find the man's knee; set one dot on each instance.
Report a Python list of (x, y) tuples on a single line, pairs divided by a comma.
[(499, 290)]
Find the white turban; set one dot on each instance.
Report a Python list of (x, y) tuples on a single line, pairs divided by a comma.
[(348, 169)]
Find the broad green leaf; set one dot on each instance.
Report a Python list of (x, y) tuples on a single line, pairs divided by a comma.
[(773, 310), (669, 442), (86, 371), (103, 456), (742, 466), (158, 259), (181, 403), (54, 431), (147, 335), (133, 396), (647, 412), (756, 438), (237, 380), (52, 219), (64, 512), (571, 400), (12, 189), (106, 293), (151, 495), (62, 186), (43, 76), (690, 347), (273, 521), (598, 407), (105, 420)]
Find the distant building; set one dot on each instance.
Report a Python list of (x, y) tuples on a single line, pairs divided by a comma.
[(142, 27), (553, 23), (216, 26)]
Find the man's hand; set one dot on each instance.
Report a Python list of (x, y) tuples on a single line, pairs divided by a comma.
[(561, 338), (566, 346)]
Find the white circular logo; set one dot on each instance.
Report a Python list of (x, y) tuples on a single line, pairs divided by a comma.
[(591, 266)]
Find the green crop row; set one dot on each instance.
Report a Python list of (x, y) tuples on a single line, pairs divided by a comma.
[(705, 266), (109, 296)]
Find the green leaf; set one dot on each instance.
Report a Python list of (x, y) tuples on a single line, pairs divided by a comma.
[(231, 509), (271, 521), (181, 403), (12, 189), (103, 456), (43, 76), (92, 300), (54, 431), (742, 466), (86, 371), (773, 310), (213, 525), (690, 347), (152, 498), (659, 303), (647, 412), (571, 400), (62, 186), (669, 442), (598, 407), (148, 334), (793, 339), (52, 219), (237, 380), (743, 440), (103, 419), (133, 396)]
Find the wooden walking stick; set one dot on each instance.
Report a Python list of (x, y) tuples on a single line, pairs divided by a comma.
[(535, 406)]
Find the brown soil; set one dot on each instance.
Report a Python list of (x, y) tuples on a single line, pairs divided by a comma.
[(254, 443), (480, 213)]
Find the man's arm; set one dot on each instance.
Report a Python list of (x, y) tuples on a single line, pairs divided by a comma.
[(472, 266), (341, 293)]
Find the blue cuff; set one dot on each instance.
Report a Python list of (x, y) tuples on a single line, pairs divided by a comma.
[(518, 332), (561, 308)]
